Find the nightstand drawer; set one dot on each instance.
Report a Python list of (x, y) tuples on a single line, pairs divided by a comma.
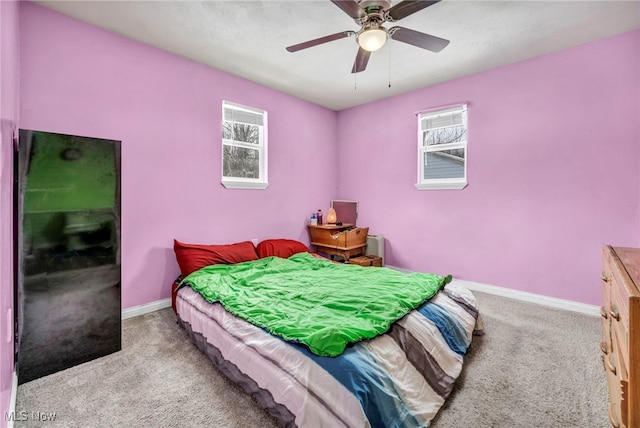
[(338, 238), (367, 261)]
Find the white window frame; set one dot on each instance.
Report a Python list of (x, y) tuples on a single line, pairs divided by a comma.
[(441, 183), (241, 182)]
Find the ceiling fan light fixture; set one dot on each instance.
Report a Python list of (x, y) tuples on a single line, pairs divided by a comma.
[(370, 16), (372, 38)]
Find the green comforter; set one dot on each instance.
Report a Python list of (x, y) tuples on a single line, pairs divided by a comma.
[(321, 304)]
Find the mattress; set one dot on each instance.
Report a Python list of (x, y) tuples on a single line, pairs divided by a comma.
[(398, 379)]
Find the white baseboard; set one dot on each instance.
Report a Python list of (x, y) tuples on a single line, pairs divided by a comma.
[(539, 299), (12, 400), (146, 308), (525, 296)]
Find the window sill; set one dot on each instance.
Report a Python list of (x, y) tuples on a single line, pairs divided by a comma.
[(230, 184), (442, 185)]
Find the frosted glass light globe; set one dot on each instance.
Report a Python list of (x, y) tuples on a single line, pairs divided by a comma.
[(372, 39)]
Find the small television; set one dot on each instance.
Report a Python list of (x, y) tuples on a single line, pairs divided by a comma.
[(346, 211)]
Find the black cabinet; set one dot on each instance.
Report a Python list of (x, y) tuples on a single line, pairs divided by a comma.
[(68, 282)]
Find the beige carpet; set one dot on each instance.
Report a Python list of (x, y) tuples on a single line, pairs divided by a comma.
[(534, 367)]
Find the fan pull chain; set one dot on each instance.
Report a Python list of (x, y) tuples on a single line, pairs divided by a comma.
[(355, 81), (389, 64)]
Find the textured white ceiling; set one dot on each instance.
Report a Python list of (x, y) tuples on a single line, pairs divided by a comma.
[(248, 38)]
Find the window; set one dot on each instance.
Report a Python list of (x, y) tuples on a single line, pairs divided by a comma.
[(442, 148), (244, 147)]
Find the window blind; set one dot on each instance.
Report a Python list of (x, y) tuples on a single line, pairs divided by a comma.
[(237, 113)]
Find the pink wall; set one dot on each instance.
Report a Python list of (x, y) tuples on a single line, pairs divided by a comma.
[(167, 112), (554, 153), (9, 98)]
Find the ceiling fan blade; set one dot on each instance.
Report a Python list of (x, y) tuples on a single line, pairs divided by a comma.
[(406, 8), (416, 38), (360, 64), (350, 7), (320, 41)]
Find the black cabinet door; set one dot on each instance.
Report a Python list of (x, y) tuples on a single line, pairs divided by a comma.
[(68, 282)]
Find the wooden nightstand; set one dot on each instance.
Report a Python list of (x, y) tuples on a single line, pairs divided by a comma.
[(345, 241)]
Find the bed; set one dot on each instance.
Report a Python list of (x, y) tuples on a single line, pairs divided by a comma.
[(399, 378)]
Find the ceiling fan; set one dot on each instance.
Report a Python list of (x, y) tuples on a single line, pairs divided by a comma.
[(370, 15)]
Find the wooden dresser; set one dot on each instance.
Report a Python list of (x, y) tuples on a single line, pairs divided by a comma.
[(620, 344)]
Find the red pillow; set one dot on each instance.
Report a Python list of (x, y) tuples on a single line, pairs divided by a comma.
[(192, 257), (283, 248)]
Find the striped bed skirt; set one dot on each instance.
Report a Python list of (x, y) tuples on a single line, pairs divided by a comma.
[(398, 379)]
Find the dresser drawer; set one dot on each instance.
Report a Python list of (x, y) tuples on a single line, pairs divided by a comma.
[(620, 286), (613, 366), (605, 344), (615, 401), (619, 309)]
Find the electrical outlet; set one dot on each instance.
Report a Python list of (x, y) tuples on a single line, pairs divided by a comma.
[(9, 325)]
